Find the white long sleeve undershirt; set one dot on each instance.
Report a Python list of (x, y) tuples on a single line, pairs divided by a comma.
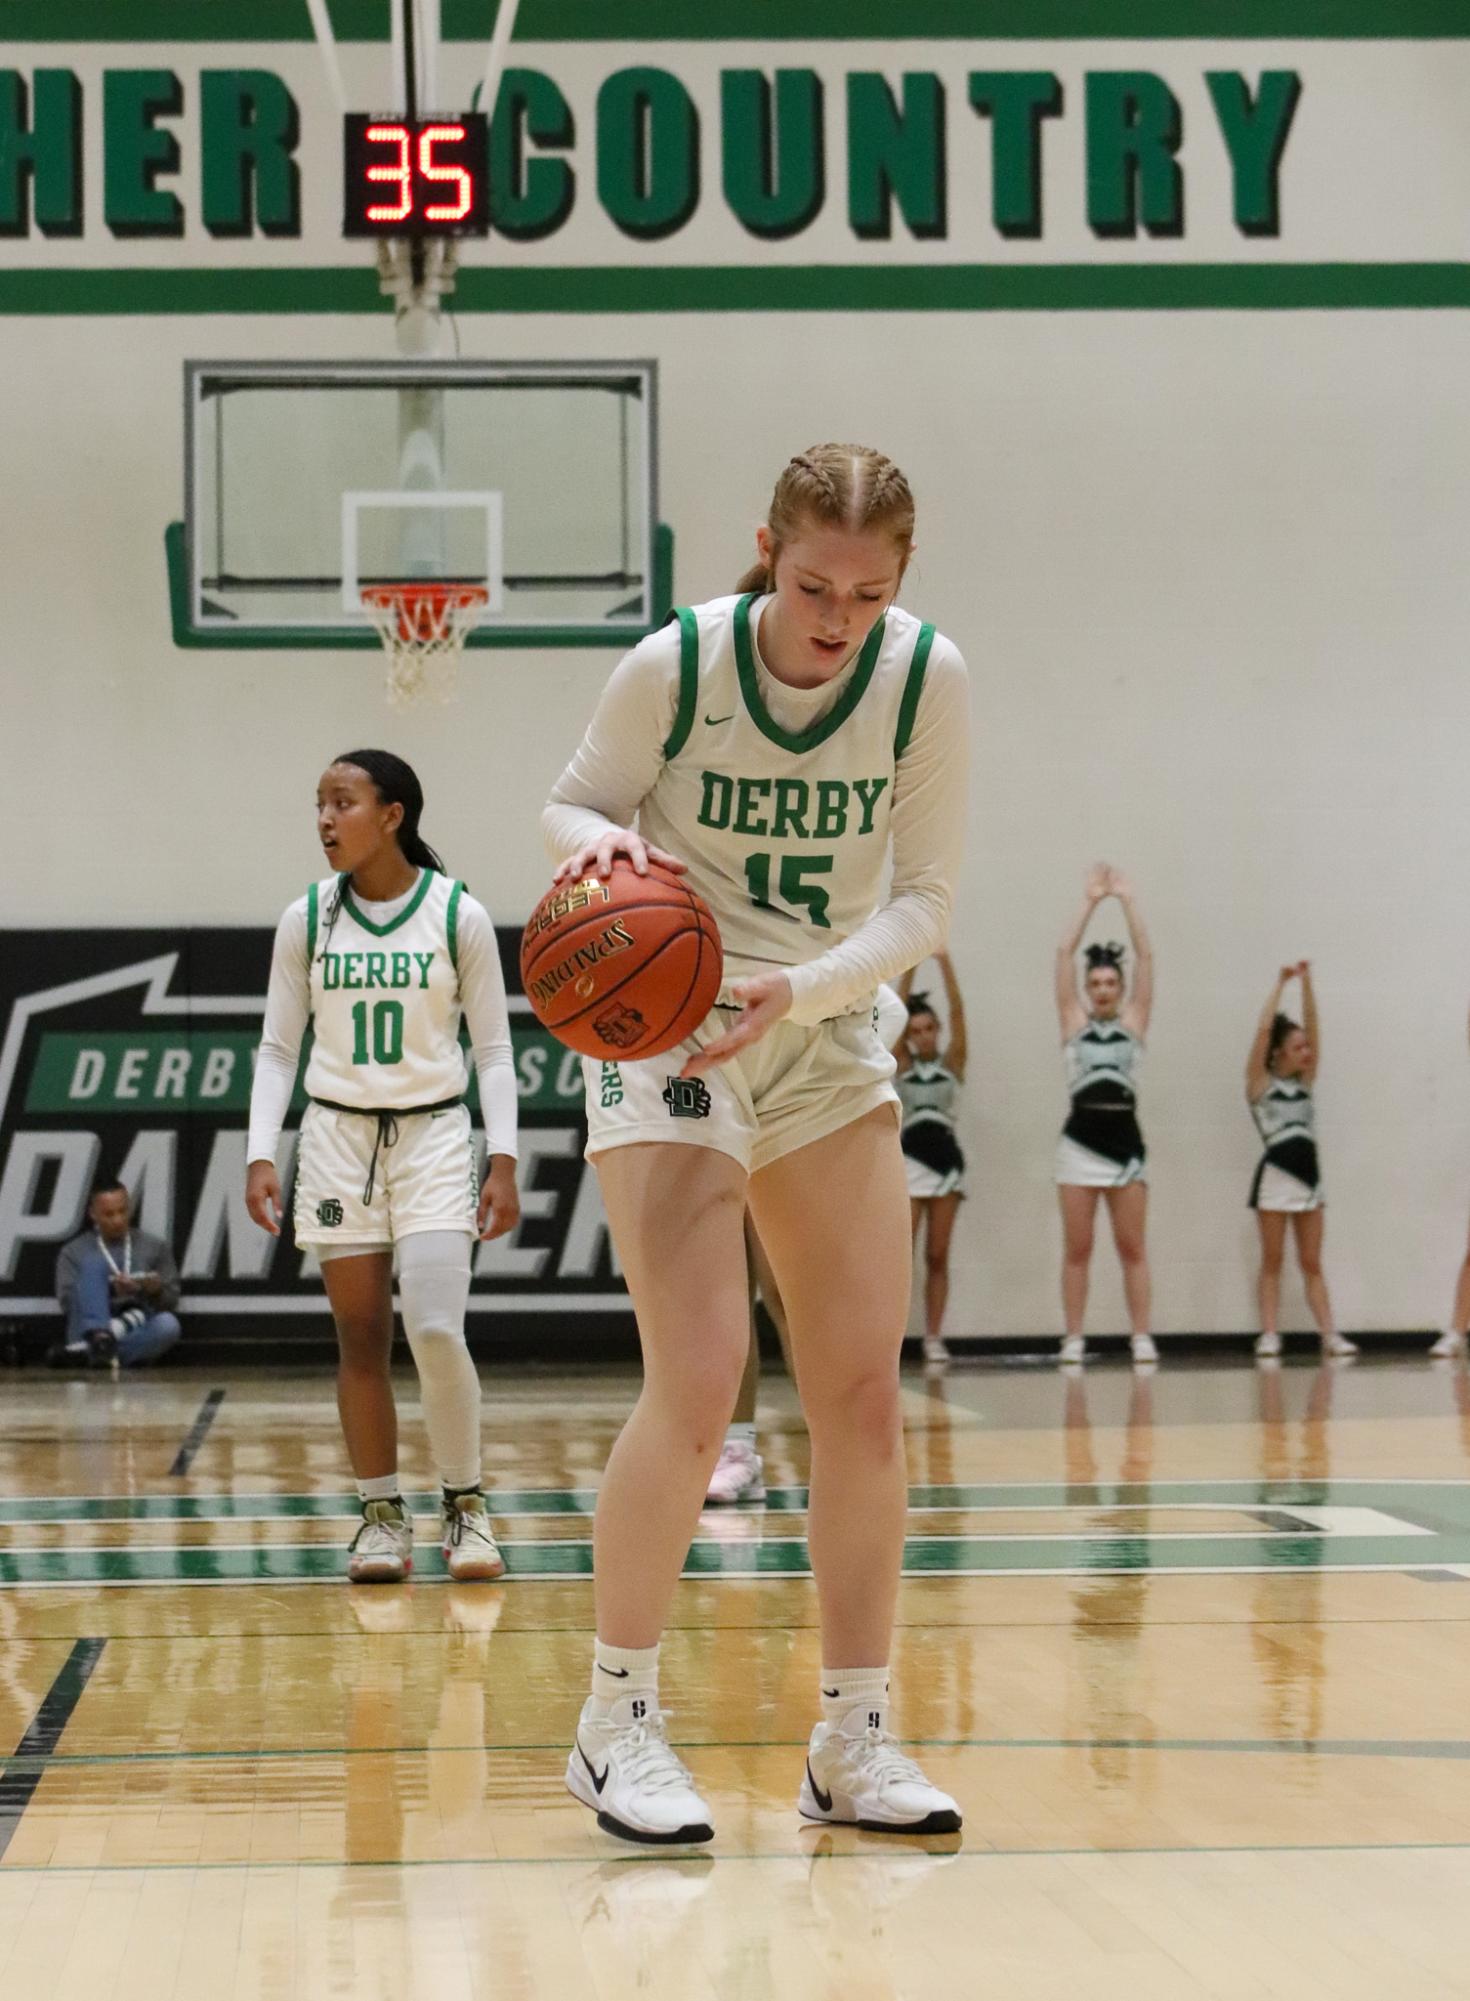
[(288, 1010), (619, 760)]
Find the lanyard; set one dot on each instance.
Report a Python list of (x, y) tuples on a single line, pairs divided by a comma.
[(125, 1269)]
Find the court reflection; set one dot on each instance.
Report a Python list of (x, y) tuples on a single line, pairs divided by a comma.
[(1288, 1639), (1106, 1681)]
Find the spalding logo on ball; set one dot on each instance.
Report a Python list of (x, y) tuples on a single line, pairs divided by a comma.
[(623, 967)]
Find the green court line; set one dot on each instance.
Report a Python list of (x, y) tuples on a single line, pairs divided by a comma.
[(1407, 1498), (786, 288), (1347, 1747)]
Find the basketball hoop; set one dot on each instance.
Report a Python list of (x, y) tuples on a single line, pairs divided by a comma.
[(423, 627)]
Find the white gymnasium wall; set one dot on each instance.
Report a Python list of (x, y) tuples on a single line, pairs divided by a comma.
[(1208, 572), (1206, 566)]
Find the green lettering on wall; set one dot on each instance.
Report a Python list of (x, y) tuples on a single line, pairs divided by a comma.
[(1016, 101), (41, 153), (1134, 127), (775, 173), (137, 152), (530, 196), (249, 132), (1255, 137), (647, 152), (896, 154)]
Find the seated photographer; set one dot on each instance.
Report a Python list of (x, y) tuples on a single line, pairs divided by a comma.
[(118, 1288)]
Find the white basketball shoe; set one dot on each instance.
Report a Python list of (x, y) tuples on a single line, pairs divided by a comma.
[(1449, 1347), (469, 1546), (739, 1475), (625, 1769), (857, 1775), (382, 1550)]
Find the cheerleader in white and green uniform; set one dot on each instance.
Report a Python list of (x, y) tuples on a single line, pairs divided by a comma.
[(929, 1084), (1100, 1156), (1280, 1073)]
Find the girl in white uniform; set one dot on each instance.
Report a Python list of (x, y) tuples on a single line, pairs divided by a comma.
[(383, 958), (777, 746), (1101, 1153), (1279, 1075), (929, 1086)]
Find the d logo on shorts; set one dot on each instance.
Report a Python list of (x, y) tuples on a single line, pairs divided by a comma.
[(687, 1098), (329, 1213)]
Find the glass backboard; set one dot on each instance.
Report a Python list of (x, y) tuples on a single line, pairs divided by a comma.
[(306, 482)]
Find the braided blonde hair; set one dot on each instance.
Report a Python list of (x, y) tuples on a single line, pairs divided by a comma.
[(841, 486)]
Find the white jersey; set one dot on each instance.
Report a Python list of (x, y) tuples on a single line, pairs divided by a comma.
[(786, 833), (385, 998), (1284, 1111)]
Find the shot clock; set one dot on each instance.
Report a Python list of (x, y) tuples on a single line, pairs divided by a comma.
[(415, 176)]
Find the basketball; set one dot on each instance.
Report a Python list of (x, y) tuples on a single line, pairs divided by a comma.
[(623, 967)]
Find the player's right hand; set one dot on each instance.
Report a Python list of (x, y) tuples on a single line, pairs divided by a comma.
[(263, 1195), (598, 856)]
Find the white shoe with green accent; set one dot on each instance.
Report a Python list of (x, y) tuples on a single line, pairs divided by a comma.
[(626, 1770), (465, 1536), (382, 1550), (857, 1775)]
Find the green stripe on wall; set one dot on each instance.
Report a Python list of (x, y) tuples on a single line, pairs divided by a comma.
[(846, 288), (752, 20)]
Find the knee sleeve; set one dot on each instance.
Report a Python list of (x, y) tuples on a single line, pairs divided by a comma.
[(434, 1286)]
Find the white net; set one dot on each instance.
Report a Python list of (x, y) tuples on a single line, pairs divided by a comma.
[(423, 628)]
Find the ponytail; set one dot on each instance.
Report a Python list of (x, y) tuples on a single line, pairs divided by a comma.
[(757, 578)]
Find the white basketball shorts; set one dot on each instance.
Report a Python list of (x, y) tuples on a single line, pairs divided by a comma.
[(794, 1086), (424, 1180)]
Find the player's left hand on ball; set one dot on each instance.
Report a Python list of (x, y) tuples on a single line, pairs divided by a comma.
[(764, 1001), (500, 1202)]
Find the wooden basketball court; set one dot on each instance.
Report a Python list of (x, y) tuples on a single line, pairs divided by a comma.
[(1188, 1648)]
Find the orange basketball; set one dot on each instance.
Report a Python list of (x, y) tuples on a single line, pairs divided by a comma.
[(625, 967)]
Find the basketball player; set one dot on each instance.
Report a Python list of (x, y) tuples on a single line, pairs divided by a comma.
[(740, 1473), (1279, 1074), (929, 1088), (382, 958), (1101, 1153), (776, 745)]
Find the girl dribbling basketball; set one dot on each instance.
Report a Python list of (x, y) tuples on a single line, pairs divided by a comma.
[(776, 745), (383, 958)]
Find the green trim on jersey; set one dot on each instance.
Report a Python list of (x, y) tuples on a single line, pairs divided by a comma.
[(451, 924), (381, 930), (688, 682), (908, 708), (836, 716), (311, 900)]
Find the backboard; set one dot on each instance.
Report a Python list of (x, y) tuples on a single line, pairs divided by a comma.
[(307, 482)]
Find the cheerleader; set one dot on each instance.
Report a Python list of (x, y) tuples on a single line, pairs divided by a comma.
[(1279, 1075), (929, 1085), (383, 958), (1101, 1153)]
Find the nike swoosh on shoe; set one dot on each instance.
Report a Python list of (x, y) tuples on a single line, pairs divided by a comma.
[(823, 1800), (599, 1783)]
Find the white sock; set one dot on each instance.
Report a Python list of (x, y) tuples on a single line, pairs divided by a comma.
[(741, 1434), (382, 1488), (845, 1690), (618, 1672), (434, 1285)]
